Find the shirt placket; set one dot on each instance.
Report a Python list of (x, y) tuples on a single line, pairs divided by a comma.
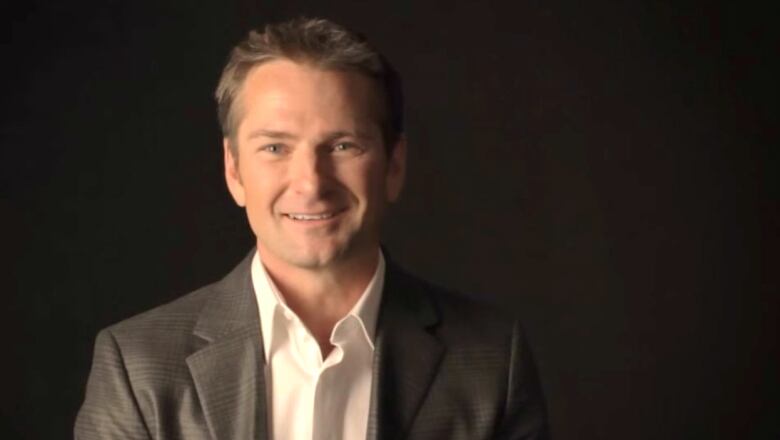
[(334, 385)]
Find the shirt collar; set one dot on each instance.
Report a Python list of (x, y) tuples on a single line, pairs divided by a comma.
[(270, 302)]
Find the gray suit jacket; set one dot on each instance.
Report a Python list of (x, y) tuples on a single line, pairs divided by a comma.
[(445, 368)]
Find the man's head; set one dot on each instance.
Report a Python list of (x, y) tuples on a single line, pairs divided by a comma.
[(312, 143), (318, 43)]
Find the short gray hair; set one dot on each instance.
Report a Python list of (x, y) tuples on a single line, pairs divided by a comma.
[(321, 43)]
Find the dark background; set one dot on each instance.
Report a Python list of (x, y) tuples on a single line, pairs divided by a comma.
[(606, 169)]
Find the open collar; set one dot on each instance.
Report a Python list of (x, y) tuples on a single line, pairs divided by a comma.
[(229, 370)]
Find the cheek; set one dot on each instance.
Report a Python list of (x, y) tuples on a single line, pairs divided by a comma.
[(372, 188), (259, 185), (363, 180)]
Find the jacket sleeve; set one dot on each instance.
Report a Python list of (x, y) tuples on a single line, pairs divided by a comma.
[(110, 409), (525, 413)]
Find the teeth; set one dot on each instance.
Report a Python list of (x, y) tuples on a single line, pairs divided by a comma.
[(310, 216)]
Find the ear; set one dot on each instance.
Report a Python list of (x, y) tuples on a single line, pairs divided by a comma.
[(232, 174), (396, 170)]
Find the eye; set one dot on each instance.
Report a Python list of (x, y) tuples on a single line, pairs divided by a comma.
[(346, 148), (272, 148)]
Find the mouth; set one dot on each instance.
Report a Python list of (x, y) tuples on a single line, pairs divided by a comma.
[(312, 217)]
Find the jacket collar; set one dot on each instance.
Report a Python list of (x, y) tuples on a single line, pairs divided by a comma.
[(407, 357), (230, 374)]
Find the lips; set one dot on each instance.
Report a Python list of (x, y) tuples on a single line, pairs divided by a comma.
[(311, 217)]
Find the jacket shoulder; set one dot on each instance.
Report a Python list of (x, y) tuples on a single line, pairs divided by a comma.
[(466, 318), (149, 352), (159, 340), (176, 317), (179, 317), (487, 375)]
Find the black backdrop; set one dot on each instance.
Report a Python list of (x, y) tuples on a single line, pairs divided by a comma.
[(603, 169)]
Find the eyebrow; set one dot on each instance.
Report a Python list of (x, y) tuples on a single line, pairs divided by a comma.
[(274, 134), (333, 135), (340, 134)]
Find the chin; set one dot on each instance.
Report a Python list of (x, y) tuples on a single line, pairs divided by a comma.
[(316, 258), (316, 254)]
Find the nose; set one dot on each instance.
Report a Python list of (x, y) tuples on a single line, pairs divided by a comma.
[(309, 172)]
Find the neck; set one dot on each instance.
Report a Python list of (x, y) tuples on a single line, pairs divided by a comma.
[(321, 297)]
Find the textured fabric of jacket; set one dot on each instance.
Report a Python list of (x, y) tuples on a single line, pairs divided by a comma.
[(445, 367)]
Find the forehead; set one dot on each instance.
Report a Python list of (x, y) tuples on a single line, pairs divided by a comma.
[(287, 90)]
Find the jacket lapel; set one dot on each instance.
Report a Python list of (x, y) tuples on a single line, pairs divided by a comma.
[(407, 356), (229, 372)]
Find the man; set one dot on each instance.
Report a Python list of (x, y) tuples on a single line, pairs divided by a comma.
[(315, 335)]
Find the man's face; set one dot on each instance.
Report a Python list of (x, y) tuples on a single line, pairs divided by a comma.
[(312, 169)]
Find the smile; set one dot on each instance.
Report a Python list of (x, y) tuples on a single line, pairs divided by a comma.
[(312, 217)]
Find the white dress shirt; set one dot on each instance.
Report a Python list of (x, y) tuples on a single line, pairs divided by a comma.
[(311, 398)]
